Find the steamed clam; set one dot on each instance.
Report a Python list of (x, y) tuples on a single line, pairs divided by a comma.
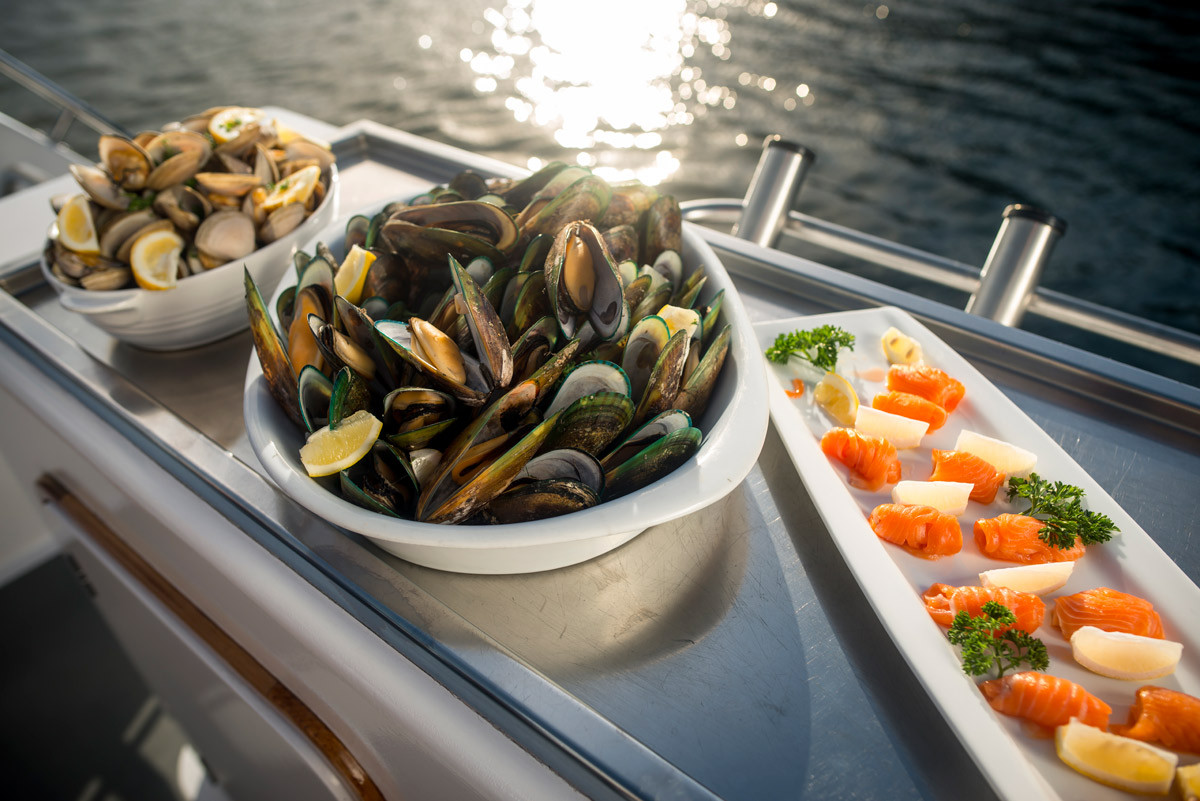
[(519, 371), (223, 181)]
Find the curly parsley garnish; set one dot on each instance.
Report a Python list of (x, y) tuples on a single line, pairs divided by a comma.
[(139, 202), (818, 346), (1060, 507), (983, 650)]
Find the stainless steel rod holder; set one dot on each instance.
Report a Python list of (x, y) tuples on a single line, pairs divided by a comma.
[(777, 179), (1014, 266)]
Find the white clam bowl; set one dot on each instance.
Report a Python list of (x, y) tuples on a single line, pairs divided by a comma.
[(201, 308)]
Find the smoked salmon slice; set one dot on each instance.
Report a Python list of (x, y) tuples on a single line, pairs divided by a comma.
[(1045, 701), (914, 407), (1014, 538), (969, 469), (921, 530), (872, 460), (928, 382), (1107, 609), (944, 602), (1166, 717)]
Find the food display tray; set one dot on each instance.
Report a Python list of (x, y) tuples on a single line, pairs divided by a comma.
[(726, 654)]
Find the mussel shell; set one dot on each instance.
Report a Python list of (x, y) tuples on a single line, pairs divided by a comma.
[(569, 463), (658, 459), (357, 228), (663, 385), (272, 354), (584, 200), (487, 332), (410, 408), (697, 388), (622, 242), (482, 220), (592, 423), (539, 500), (645, 342), (662, 229), (604, 307), (349, 395), (588, 378), (654, 428), (315, 391), (520, 193)]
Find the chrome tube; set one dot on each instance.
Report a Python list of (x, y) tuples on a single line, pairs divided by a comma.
[(777, 179), (71, 107), (1014, 266)]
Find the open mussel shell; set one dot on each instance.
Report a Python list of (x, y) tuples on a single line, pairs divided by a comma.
[(568, 463), (384, 482), (663, 384), (315, 391), (349, 394), (582, 281), (416, 416), (272, 354), (645, 343), (588, 378), (697, 387), (653, 429), (658, 459)]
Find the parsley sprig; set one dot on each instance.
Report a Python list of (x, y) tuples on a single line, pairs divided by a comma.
[(984, 650), (819, 346), (1060, 507)]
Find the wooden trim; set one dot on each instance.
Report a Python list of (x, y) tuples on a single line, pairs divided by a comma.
[(239, 659)]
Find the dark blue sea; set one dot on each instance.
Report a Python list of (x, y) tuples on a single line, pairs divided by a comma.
[(928, 117)]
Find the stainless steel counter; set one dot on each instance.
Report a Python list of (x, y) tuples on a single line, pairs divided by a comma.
[(726, 654)]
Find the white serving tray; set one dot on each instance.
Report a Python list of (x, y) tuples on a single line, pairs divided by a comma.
[(1018, 766)]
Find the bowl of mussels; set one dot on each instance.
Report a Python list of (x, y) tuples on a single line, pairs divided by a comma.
[(505, 376), (151, 247)]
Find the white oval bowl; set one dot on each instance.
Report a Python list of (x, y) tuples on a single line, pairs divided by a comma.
[(734, 426), (201, 308)]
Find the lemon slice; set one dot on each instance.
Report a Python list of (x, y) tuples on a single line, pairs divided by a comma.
[(1120, 762), (331, 450), (352, 275), (1004, 456), (155, 259), (900, 348), (295, 188), (76, 229), (839, 400), (903, 432), (1034, 579), (1119, 655), (946, 496), (1188, 777), (228, 123)]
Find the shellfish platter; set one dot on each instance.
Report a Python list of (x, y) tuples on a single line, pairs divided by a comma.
[(894, 579), (492, 454)]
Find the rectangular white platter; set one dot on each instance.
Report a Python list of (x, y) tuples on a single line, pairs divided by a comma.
[(1017, 765)]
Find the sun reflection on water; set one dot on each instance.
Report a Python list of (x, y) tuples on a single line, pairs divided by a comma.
[(611, 79)]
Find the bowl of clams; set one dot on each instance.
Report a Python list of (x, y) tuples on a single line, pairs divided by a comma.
[(152, 247)]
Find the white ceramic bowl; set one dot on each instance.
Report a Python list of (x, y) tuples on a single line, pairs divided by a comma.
[(734, 426), (201, 308)]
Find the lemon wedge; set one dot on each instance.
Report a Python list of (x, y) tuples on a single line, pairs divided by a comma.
[(946, 496), (899, 348), (1120, 655), (677, 318), (1188, 777), (330, 450), (1004, 456), (76, 229), (228, 123), (839, 400), (1034, 579), (295, 188), (1120, 762), (155, 259), (903, 432), (352, 275)]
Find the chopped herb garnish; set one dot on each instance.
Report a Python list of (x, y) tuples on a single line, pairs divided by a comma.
[(230, 124), (818, 346), (169, 151), (985, 650), (139, 202), (1060, 507)]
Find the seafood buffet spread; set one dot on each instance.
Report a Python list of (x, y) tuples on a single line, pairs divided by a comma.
[(993, 550), (496, 351)]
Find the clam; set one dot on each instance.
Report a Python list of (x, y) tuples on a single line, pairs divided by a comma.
[(119, 229), (100, 187), (282, 222), (225, 236), (183, 206), (125, 161)]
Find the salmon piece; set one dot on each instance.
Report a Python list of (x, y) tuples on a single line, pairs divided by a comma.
[(1107, 609), (970, 469), (1014, 538), (944, 602), (1045, 701), (872, 460), (927, 382), (914, 407), (1167, 717), (921, 530)]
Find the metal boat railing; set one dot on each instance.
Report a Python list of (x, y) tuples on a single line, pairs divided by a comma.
[(1004, 289), (70, 107)]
